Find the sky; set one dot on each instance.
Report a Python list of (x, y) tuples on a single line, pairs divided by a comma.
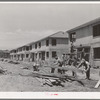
[(22, 23)]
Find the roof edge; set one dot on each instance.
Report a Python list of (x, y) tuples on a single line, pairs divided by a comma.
[(84, 25), (39, 40)]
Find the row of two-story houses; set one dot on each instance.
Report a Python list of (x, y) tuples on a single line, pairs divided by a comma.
[(44, 49), (84, 37)]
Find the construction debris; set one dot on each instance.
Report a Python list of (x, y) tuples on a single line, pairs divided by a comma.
[(70, 68), (13, 62), (97, 85), (2, 70), (55, 79)]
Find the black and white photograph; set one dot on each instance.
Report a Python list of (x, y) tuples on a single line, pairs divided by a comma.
[(49, 47)]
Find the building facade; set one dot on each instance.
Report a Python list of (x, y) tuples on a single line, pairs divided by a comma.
[(86, 38), (44, 49)]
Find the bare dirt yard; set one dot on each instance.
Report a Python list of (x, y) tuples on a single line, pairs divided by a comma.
[(18, 78)]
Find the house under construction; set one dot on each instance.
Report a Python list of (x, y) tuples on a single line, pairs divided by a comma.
[(86, 38)]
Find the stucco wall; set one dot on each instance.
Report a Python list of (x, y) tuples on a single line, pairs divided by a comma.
[(84, 32), (84, 36)]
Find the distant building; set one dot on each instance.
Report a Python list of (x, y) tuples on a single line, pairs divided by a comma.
[(4, 54), (44, 49), (86, 38)]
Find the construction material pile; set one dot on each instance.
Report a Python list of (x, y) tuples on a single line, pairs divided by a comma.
[(13, 62), (2, 71)]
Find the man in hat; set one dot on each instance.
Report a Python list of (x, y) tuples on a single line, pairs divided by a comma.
[(86, 67)]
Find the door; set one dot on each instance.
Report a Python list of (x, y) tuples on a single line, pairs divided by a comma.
[(22, 57), (83, 52), (32, 56), (87, 53), (43, 55)]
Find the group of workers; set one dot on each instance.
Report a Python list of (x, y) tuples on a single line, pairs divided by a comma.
[(74, 62), (68, 60)]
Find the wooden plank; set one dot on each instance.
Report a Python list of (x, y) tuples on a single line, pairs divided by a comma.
[(58, 77), (53, 77), (68, 68), (45, 81), (98, 84)]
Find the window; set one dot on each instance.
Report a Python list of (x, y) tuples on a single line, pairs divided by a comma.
[(23, 48), (73, 37), (39, 44), (27, 55), (35, 46), (23, 55), (17, 50), (96, 30), (27, 48), (30, 47), (97, 53), (47, 42), (39, 55), (36, 55), (53, 42), (47, 54), (53, 54), (87, 50), (14, 51), (20, 49)]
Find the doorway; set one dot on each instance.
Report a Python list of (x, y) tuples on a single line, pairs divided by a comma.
[(43, 55), (83, 52)]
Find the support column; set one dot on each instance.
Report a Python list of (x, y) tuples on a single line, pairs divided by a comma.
[(24, 56), (45, 55), (35, 56), (29, 57), (50, 57), (91, 58)]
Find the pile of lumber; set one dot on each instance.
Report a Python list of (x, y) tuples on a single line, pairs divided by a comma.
[(68, 68), (13, 62), (58, 78)]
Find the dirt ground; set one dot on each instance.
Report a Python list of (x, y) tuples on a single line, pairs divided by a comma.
[(18, 78)]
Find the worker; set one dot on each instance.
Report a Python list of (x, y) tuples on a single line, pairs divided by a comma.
[(75, 61), (35, 66), (59, 63), (86, 67), (64, 59), (69, 60), (53, 69)]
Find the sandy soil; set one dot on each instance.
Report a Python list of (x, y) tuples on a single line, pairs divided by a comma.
[(18, 79)]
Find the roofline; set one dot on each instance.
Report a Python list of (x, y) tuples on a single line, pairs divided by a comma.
[(40, 40), (84, 25), (50, 37), (46, 38), (18, 47)]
